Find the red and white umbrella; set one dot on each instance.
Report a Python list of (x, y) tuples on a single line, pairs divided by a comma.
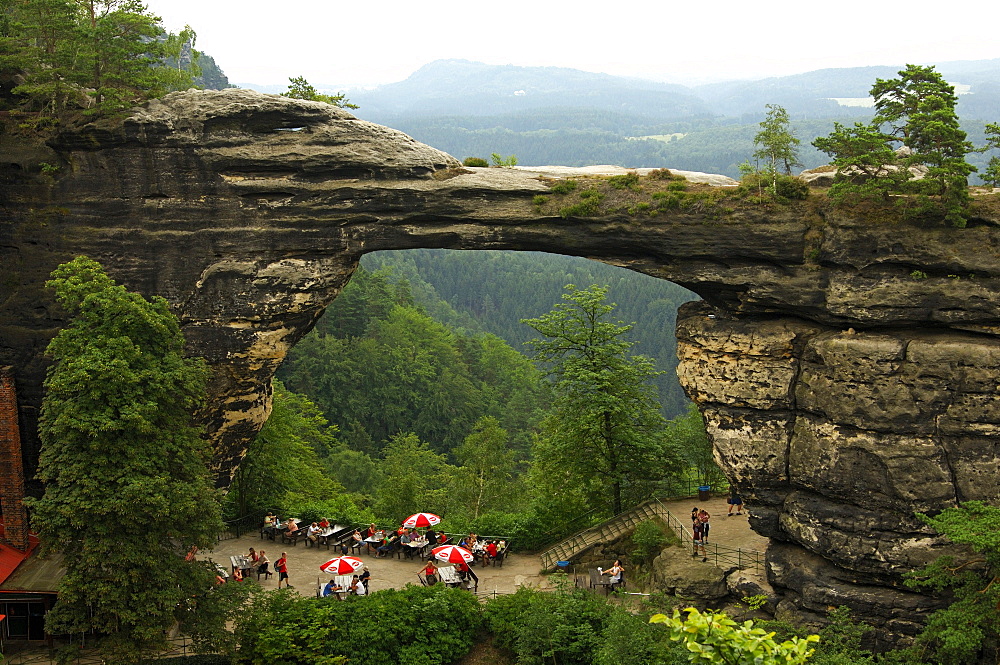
[(453, 554), (421, 520), (342, 565)]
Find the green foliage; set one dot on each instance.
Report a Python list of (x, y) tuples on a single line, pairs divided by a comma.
[(916, 110), (688, 436), (414, 479), (649, 541), (428, 625), (605, 432), (776, 142), (113, 51), (501, 161), (282, 467), (475, 161), (564, 187), (840, 641), (958, 633), (715, 638), (589, 205), (128, 489), (918, 274), (789, 187), (300, 88), (628, 181), (564, 626), (485, 479), (540, 200), (991, 174)]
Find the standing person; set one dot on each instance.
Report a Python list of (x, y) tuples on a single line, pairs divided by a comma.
[(696, 535), (281, 565), (364, 577), (704, 517), (735, 501)]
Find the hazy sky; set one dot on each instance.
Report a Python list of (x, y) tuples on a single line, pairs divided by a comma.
[(369, 43)]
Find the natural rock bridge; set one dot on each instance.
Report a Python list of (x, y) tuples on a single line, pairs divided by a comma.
[(842, 393)]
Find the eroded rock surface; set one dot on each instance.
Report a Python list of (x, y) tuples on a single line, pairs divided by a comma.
[(847, 369)]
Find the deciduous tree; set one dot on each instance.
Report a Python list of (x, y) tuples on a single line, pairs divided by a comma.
[(776, 142), (605, 432), (300, 88), (127, 487)]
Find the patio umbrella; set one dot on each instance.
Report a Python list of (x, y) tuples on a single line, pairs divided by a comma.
[(342, 565), (452, 554), (421, 520)]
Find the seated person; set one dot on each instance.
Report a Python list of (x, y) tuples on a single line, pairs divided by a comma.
[(331, 587), (252, 556), (324, 523), (387, 546), (313, 532), (357, 588), (491, 549), (291, 526), (431, 572), (371, 531), (465, 543), (616, 572), (405, 536), (442, 538), (262, 563)]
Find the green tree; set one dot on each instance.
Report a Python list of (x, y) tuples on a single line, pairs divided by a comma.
[(414, 479), (917, 110), (867, 166), (605, 431), (991, 175), (127, 487), (715, 639), (300, 88), (282, 467), (687, 434), (776, 142), (970, 624), (486, 475)]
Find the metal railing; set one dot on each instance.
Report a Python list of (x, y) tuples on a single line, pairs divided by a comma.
[(239, 526), (611, 529)]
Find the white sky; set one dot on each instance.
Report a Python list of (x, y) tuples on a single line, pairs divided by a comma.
[(356, 43)]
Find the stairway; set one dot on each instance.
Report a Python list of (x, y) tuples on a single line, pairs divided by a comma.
[(605, 532)]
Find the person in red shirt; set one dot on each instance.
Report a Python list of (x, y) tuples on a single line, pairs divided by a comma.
[(281, 565), (491, 550), (465, 572)]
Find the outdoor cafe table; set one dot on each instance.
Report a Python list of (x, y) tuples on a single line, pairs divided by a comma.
[(241, 563), (416, 546), (343, 581), (598, 580), (375, 541), (449, 576)]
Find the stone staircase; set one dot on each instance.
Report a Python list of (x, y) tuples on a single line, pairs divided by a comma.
[(605, 532)]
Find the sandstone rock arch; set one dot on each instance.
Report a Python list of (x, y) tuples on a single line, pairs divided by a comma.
[(841, 393)]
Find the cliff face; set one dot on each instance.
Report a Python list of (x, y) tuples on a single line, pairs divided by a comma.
[(842, 393)]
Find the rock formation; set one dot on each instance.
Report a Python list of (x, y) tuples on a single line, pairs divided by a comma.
[(847, 369)]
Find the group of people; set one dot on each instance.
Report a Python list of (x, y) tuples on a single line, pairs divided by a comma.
[(357, 587), (699, 531), (432, 574)]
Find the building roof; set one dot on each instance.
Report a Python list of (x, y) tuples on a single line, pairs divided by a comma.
[(23, 572)]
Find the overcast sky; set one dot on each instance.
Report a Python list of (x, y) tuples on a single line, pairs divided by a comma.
[(369, 43)]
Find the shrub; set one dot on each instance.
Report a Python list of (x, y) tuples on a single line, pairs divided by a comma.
[(649, 541), (475, 161), (428, 625), (791, 187), (663, 174), (500, 160), (627, 181), (564, 187), (589, 204), (540, 200)]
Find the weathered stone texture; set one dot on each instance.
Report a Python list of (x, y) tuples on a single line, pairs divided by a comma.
[(847, 370)]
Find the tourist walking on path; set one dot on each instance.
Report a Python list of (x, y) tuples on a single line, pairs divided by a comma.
[(281, 565)]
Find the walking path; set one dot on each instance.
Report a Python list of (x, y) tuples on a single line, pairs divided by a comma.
[(389, 573)]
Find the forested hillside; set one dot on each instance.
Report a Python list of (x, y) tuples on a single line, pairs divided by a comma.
[(492, 291), (548, 115)]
